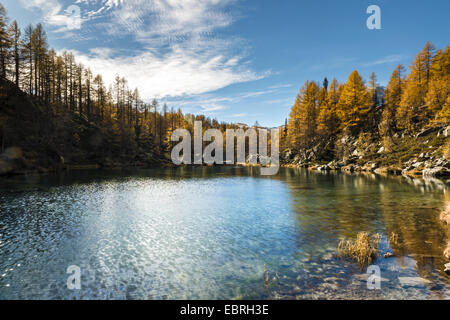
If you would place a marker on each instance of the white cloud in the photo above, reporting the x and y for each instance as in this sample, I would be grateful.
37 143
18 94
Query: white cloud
281 86
161 19
386 60
54 14
49 8
281 102
172 48
213 104
212 108
177 73
239 115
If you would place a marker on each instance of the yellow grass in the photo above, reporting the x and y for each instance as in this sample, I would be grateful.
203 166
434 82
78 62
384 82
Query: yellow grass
393 239
447 251
363 250
445 215
266 276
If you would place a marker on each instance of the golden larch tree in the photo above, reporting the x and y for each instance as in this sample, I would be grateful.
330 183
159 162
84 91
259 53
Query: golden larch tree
302 120
412 106
439 85
354 103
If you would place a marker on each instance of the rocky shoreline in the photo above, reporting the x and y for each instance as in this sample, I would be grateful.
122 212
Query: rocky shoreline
439 168
425 154
445 218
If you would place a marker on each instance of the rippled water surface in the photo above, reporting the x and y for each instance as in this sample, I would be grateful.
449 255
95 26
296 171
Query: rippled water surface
214 233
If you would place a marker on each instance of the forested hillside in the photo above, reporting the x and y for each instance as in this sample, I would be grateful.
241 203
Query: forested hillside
403 127
54 112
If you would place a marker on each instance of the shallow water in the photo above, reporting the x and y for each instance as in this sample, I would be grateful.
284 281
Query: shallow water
213 233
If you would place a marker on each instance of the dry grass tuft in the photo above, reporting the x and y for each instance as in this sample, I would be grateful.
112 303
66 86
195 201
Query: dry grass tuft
393 239
447 251
363 250
445 215
266 276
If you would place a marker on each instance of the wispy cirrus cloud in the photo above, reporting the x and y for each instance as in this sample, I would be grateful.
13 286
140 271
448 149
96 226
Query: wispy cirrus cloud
51 10
386 60
171 48
212 104
167 18
179 72
239 115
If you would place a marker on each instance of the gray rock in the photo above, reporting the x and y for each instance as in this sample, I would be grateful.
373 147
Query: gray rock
408 168
446 132
447 268
252 158
381 150
349 160
389 255
417 164
427 132
436 172
287 155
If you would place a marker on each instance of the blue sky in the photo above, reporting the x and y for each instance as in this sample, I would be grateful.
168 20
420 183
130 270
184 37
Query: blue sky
236 60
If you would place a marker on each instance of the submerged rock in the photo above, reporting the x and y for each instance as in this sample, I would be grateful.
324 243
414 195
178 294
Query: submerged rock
413 281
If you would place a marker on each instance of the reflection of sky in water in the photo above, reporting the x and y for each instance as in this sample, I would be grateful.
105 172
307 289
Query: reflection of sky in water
210 233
